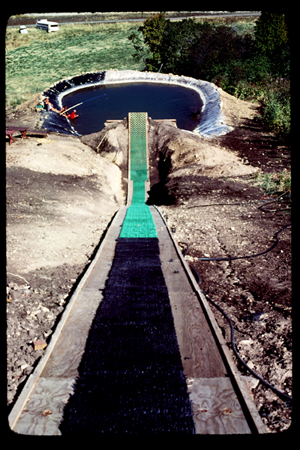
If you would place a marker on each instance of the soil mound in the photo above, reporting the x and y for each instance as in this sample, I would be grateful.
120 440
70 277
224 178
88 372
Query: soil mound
172 152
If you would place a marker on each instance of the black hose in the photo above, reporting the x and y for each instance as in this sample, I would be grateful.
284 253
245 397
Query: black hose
286 398
280 394
261 207
231 258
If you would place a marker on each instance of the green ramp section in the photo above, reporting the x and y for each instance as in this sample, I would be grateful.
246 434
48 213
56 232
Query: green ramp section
138 222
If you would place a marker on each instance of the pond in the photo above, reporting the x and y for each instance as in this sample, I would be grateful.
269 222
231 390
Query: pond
115 101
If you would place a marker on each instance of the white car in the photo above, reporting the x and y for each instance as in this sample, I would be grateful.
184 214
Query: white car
47 26
23 29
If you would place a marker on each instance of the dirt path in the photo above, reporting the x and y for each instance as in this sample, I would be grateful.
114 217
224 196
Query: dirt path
61 196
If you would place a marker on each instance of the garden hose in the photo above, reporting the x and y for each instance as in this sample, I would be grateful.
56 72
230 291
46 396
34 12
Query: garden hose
244 203
231 258
286 398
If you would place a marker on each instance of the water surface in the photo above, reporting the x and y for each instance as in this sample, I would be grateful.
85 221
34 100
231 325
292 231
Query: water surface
160 101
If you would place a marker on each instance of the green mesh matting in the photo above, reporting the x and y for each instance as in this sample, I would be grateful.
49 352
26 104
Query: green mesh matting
138 192
138 222
138 146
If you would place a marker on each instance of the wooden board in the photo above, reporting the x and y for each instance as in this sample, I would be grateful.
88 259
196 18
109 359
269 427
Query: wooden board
64 352
42 414
199 352
216 407
253 417
65 358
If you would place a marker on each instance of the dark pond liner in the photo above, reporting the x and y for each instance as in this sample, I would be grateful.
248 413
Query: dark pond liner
52 120
210 121
97 103
131 379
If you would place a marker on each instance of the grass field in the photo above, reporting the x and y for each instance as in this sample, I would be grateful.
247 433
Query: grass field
38 59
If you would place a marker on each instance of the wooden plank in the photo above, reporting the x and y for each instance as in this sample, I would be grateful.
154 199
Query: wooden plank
43 412
173 121
110 240
70 346
37 133
199 352
65 358
248 405
216 407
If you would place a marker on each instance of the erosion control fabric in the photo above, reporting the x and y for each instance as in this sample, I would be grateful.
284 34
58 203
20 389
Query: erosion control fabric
131 378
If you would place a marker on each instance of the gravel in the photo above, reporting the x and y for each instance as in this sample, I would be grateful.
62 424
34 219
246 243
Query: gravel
28 320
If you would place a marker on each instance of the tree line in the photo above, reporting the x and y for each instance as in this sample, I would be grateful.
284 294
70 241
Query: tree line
250 66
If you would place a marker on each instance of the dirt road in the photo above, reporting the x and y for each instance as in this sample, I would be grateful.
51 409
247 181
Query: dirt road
95 18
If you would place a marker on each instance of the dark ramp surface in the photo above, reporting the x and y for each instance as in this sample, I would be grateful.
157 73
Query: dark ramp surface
131 377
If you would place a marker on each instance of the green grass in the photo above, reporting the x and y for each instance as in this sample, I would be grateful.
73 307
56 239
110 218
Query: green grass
38 59
243 27
274 183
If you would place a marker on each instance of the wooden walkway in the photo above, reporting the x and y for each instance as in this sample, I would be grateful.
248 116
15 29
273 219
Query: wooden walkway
221 402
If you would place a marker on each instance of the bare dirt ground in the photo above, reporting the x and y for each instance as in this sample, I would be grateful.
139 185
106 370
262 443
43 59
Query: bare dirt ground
61 195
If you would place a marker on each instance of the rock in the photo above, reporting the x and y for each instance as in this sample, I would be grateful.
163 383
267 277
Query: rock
250 364
10 396
23 378
16 295
31 333
20 362
47 333
246 342
28 370
251 382
40 316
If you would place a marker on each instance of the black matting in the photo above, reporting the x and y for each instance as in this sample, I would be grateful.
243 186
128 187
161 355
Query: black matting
131 378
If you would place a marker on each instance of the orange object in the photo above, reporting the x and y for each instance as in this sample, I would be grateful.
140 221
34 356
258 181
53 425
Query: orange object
39 345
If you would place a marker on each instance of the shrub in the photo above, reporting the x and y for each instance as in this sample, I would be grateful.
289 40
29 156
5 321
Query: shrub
275 183
276 109
271 33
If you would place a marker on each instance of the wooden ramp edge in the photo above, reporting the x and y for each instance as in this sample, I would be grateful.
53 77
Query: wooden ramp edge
39 408
221 401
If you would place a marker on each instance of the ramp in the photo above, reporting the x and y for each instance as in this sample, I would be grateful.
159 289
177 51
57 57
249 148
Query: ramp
137 350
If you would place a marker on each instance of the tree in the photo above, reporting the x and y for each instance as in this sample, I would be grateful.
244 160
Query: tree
153 30
176 43
141 48
271 33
